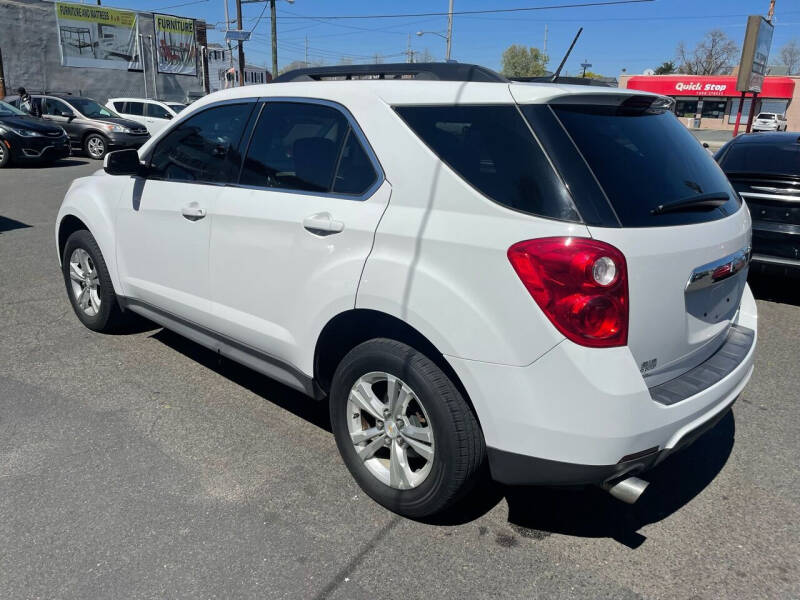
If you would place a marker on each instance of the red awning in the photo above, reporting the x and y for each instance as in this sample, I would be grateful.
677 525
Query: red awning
707 85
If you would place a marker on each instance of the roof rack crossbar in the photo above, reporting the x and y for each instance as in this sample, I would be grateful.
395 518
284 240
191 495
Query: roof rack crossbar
428 71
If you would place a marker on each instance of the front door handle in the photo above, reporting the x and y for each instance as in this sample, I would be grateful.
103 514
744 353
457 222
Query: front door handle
193 212
322 224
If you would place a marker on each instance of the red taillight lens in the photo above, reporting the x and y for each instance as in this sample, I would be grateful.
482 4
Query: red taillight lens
580 284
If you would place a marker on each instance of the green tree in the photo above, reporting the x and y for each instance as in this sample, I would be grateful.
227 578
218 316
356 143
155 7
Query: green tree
519 61
592 75
666 68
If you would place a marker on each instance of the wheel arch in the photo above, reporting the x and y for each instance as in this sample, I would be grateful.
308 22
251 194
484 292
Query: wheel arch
69 224
89 204
348 329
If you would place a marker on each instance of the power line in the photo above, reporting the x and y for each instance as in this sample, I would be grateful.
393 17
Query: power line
471 12
258 20
179 5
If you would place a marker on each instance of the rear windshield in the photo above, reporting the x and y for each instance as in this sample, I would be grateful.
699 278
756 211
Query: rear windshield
773 159
492 149
765 116
643 158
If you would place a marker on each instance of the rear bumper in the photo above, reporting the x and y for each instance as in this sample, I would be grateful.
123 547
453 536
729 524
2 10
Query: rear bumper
517 469
580 415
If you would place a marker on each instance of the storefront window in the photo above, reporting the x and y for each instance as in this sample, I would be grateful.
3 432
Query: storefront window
735 108
685 108
774 106
713 109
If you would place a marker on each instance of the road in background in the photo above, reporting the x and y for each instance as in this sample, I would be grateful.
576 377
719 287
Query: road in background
142 466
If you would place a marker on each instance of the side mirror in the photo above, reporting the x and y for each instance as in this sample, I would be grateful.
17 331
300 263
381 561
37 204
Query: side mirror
123 162
67 113
705 144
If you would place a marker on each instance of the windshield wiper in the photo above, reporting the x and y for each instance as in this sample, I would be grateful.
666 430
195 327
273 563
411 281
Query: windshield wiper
708 201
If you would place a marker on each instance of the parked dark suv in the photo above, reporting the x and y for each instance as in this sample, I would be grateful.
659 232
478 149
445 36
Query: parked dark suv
765 169
90 126
26 139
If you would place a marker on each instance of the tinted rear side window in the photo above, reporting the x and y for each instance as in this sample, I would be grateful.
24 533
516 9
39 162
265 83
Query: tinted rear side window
645 158
493 150
295 146
773 159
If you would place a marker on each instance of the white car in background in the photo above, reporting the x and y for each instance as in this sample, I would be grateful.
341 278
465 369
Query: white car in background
153 114
769 122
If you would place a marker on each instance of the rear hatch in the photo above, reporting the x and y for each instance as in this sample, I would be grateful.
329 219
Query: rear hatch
667 206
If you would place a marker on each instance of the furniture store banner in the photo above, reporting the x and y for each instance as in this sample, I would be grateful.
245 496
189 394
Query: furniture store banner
95 36
176 45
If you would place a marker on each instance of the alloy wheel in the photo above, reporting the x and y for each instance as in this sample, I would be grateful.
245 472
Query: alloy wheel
96 147
84 281
390 430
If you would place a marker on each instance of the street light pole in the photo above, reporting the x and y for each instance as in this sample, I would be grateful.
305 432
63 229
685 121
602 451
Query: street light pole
449 30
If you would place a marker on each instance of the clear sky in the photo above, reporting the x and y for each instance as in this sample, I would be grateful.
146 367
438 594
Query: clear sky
632 36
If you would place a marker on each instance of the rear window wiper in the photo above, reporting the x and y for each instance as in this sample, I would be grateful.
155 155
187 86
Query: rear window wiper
708 201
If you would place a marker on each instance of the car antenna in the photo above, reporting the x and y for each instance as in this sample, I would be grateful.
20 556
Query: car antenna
554 78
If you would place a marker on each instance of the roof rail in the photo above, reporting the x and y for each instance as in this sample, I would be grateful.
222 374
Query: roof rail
428 71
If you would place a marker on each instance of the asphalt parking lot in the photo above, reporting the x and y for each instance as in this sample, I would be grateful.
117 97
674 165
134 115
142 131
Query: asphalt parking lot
140 466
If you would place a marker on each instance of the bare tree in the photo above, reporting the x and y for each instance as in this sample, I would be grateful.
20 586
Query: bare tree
790 56
710 57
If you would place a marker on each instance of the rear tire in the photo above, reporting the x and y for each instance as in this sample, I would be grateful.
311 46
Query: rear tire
416 461
89 286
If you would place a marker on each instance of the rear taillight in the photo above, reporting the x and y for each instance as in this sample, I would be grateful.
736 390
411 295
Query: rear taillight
580 284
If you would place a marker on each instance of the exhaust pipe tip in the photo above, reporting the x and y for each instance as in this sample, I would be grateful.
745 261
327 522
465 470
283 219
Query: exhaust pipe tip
627 490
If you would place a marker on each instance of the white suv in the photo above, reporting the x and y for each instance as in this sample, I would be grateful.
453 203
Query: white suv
153 114
546 279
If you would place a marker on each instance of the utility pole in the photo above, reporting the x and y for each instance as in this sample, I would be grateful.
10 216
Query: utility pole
241 47
770 14
409 56
449 30
544 46
274 38
227 26
306 62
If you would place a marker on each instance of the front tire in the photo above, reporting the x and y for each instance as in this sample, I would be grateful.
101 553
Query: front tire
88 283
404 430
96 146
5 154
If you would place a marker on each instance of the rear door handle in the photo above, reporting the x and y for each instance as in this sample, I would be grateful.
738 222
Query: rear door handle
193 212
322 224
